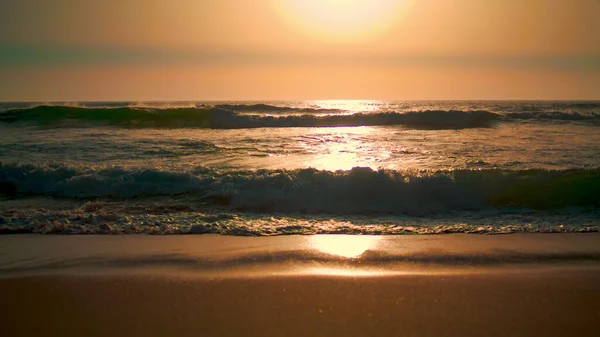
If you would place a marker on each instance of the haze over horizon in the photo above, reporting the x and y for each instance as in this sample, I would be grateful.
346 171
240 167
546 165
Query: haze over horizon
154 50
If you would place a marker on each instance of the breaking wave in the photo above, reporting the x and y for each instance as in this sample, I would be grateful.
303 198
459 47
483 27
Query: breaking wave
422 120
357 191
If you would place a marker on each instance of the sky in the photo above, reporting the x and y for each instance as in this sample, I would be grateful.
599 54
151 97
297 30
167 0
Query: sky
190 50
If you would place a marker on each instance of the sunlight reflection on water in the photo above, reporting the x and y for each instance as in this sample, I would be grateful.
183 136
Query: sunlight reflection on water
349 105
344 148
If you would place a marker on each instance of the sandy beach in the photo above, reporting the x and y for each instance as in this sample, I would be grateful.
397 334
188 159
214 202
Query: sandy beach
544 292
299 168
543 304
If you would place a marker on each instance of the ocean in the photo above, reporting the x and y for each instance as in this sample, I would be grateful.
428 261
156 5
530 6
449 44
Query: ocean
305 167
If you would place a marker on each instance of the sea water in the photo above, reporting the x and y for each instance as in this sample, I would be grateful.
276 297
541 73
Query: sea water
306 167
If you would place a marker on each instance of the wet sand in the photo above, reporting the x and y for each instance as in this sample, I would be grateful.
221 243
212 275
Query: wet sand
543 304
544 298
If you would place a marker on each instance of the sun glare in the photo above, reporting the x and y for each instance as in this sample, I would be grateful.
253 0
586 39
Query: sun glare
341 20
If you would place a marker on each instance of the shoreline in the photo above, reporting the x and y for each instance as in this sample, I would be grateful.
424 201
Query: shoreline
226 256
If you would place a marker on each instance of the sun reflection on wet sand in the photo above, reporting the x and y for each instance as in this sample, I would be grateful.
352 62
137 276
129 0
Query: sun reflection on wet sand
353 272
349 246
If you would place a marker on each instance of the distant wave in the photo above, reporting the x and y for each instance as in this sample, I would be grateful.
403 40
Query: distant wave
219 118
554 115
549 105
58 115
223 117
357 191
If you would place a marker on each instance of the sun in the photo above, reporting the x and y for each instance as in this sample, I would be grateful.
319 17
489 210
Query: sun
341 20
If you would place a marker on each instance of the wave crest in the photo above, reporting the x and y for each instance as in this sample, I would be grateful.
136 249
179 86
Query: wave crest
268 108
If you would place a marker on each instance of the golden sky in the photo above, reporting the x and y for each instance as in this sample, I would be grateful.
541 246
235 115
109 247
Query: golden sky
299 49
